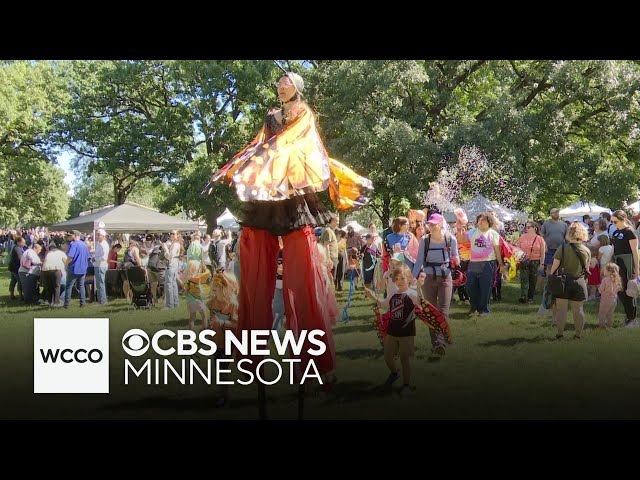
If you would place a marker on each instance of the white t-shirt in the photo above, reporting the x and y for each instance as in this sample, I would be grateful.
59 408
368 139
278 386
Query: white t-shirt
605 252
55 260
101 254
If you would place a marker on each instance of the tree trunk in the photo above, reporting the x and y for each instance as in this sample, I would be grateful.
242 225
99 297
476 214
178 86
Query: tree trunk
342 219
120 196
211 219
386 210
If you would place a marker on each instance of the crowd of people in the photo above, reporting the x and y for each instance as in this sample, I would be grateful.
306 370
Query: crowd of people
46 266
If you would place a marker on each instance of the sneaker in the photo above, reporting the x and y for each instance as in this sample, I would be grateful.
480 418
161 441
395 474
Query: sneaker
631 323
393 376
406 391
530 301
484 314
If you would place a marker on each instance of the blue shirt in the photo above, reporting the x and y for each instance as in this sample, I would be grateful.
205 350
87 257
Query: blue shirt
79 254
394 238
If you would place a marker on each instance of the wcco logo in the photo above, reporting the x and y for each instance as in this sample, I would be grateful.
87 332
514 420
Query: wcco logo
71 355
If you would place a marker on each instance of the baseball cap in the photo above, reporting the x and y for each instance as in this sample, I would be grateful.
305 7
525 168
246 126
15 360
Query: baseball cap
101 231
74 232
435 218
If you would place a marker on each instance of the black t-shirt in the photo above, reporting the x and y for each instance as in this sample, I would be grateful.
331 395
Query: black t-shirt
621 239
402 322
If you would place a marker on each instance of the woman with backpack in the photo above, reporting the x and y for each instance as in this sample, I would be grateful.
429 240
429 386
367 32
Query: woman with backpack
433 263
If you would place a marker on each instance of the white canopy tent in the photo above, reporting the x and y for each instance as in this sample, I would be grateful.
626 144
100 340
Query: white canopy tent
480 204
578 209
228 221
634 207
126 218
356 227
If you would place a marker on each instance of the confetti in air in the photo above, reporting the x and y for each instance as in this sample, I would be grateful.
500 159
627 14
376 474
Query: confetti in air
474 173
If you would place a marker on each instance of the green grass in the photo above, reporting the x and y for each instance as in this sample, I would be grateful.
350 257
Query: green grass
507 365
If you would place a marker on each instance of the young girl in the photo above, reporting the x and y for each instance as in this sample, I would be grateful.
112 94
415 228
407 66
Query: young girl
594 278
354 266
609 287
325 268
402 326
223 310
605 252
397 260
197 276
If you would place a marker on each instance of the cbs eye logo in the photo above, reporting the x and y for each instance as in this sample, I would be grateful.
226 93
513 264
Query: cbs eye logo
133 342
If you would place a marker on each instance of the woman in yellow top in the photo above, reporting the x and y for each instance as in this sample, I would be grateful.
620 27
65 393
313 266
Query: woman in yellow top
197 276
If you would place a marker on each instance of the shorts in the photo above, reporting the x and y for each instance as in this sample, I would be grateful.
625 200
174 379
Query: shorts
548 257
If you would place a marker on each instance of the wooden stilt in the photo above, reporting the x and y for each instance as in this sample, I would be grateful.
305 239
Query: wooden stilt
262 401
301 402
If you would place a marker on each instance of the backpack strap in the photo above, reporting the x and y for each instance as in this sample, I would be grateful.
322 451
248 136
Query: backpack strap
427 244
582 263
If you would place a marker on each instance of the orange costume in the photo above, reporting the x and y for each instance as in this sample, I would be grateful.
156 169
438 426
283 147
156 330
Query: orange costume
277 177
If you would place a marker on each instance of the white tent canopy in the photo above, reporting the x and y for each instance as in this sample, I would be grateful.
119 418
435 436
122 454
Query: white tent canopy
480 204
356 226
228 221
578 209
126 218
634 207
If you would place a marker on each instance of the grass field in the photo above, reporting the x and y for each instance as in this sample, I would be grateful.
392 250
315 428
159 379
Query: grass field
506 365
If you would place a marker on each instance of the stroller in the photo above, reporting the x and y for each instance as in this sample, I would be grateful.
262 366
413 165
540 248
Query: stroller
141 296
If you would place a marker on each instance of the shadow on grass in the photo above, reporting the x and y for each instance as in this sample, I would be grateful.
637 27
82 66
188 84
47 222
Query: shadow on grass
200 404
351 328
355 391
361 353
511 342
180 323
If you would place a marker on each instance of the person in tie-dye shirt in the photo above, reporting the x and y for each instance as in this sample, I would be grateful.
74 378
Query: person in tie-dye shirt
485 250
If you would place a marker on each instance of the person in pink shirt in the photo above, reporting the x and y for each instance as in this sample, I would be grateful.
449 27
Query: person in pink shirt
534 246
609 287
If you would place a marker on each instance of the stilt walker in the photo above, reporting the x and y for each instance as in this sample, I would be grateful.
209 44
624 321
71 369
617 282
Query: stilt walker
277 177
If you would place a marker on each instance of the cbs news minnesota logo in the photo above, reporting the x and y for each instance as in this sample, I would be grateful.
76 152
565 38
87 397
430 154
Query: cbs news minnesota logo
70 355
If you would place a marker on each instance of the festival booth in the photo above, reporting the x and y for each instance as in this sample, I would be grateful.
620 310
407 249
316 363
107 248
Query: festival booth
577 210
126 218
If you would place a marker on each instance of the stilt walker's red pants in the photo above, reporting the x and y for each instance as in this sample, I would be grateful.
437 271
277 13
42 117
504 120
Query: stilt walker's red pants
306 297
